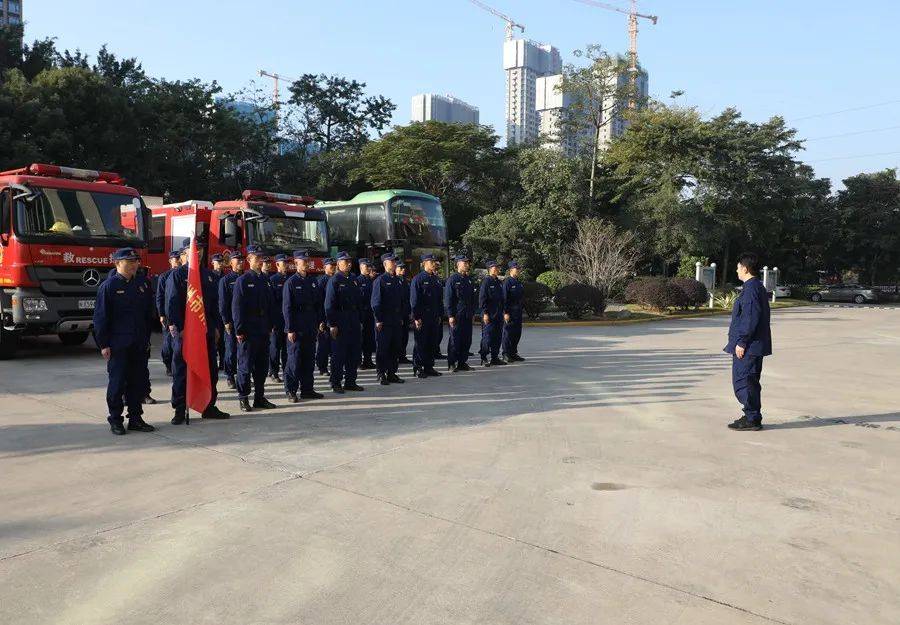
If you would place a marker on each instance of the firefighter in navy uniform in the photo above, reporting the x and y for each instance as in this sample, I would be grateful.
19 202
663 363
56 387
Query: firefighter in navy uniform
425 302
342 305
226 290
459 305
278 342
439 337
367 320
323 339
388 308
513 293
165 353
490 300
218 272
252 311
400 270
176 301
123 316
301 313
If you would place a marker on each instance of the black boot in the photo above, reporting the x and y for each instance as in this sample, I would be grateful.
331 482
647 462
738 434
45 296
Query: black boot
431 371
213 412
403 360
367 364
497 362
337 388
393 378
311 395
117 427
245 405
178 419
353 387
745 424
383 379
463 367
263 403
137 424
292 397
485 362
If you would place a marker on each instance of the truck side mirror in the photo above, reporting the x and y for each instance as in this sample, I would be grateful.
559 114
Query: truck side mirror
229 232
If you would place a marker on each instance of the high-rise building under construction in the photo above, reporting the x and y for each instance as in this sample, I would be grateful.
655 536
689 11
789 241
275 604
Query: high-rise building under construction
525 61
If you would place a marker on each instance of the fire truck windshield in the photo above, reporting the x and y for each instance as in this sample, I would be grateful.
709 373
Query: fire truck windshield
80 215
286 234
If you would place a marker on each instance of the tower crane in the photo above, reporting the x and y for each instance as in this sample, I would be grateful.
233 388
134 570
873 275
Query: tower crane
633 16
510 23
275 78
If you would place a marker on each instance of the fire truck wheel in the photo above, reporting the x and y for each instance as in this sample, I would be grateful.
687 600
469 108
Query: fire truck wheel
71 339
9 342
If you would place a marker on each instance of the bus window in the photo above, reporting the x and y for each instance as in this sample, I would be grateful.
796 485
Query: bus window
342 225
373 224
419 221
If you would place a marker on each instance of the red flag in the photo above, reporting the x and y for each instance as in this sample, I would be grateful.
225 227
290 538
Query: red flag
194 348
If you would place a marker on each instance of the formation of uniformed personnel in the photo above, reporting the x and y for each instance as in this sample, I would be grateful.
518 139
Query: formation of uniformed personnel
160 299
404 333
425 300
323 343
226 289
490 300
301 314
513 294
176 301
252 310
343 303
278 342
388 310
123 315
218 272
459 306
364 280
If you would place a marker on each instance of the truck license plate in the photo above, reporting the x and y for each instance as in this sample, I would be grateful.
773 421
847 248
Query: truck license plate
85 304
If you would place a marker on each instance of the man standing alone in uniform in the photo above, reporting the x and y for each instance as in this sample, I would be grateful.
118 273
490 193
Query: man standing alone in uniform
490 300
278 342
459 305
166 350
251 313
300 306
749 341
342 306
122 318
364 280
226 290
425 300
387 308
176 301
323 343
513 292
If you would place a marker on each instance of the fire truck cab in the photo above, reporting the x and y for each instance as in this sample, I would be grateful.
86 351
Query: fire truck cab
58 229
278 223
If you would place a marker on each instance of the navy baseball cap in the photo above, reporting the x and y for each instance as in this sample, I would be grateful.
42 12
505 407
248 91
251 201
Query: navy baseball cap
279 257
328 261
512 265
401 264
490 263
125 253
344 256
237 255
174 253
460 257
300 255
254 250
216 257
365 261
427 257
388 256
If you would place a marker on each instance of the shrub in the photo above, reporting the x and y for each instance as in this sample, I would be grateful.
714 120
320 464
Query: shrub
578 299
656 293
687 265
726 299
536 297
554 280
695 292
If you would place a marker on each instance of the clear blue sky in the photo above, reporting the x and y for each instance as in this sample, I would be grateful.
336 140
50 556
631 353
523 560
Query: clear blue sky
797 58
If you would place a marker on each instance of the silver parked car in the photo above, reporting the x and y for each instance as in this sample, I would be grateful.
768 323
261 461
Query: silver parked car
845 293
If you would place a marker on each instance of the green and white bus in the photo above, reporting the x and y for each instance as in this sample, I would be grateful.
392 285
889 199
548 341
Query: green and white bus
409 223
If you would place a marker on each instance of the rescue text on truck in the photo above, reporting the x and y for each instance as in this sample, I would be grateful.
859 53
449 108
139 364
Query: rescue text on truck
58 229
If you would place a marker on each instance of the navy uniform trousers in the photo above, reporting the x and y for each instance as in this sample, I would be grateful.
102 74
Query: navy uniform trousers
460 341
298 373
278 350
346 350
179 371
230 354
424 340
126 368
512 333
745 374
323 350
491 333
252 364
388 345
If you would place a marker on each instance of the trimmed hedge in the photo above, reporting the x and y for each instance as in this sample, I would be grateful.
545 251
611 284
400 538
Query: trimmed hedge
656 293
580 299
695 292
535 298
554 280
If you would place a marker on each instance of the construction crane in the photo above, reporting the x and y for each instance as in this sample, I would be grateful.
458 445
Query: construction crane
633 16
275 78
510 23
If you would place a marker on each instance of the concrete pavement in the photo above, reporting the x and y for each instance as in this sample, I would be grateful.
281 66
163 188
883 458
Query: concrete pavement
594 483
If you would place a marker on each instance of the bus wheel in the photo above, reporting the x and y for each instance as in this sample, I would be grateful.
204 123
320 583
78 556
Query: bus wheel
9 342
71 339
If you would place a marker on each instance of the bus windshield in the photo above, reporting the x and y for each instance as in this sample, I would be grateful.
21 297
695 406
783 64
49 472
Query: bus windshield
419 221
286 234
80 215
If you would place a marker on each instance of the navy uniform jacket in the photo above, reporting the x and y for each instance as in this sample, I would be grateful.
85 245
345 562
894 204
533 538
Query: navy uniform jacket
226 291
176 299
490 297
301 304
513 292
277 281
161 291
459 296
365 291
750 320
123 313
425 296
404 294
322 286
342 300
387 299
252 305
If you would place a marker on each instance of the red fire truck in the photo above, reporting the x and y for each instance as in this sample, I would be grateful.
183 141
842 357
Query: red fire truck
58 229
277 222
